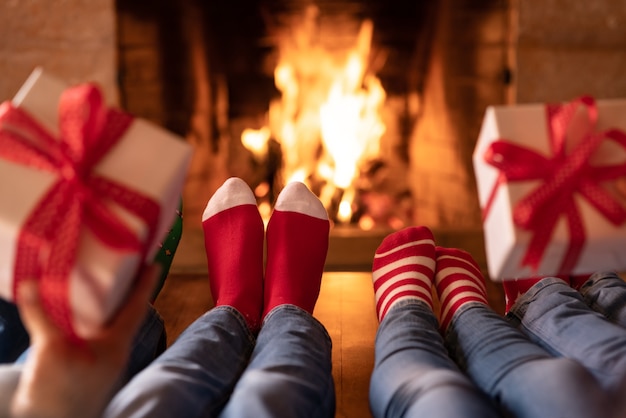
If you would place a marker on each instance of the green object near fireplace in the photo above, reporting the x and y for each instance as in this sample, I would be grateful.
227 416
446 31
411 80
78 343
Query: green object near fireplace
166 253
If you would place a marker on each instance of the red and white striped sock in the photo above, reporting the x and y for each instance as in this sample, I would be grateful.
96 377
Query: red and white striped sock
233 237
403 268
297 243
458 280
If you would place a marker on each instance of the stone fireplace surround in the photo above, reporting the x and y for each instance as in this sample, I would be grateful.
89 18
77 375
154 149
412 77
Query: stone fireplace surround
478 53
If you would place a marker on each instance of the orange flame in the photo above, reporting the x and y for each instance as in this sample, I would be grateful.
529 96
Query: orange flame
327 121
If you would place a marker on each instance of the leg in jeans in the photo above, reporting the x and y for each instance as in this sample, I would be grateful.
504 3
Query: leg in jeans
195 376
289 372
605 292
555 316
148 344
413 374
522 377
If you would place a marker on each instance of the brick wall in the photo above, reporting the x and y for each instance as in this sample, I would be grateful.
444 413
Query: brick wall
504 51
567 48
74 39
468 71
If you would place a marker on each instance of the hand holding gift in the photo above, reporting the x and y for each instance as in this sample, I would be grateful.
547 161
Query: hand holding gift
87 194
63 379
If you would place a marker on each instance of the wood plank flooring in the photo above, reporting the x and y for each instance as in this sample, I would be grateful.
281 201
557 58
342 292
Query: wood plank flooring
345 307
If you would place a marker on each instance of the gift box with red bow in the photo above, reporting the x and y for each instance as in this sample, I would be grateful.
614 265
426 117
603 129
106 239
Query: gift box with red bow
87 193
550 180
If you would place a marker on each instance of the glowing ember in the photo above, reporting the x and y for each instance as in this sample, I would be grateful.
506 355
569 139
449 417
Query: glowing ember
256 141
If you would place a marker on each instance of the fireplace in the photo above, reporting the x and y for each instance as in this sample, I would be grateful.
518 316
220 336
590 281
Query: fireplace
206 71
243 82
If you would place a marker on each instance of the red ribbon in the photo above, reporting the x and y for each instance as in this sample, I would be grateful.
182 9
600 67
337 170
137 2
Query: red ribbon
48 243
563 175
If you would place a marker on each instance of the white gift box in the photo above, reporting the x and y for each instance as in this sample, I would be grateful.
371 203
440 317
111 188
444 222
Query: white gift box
506 244
146 159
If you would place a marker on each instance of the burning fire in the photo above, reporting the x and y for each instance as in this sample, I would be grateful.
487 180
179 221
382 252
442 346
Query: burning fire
328 120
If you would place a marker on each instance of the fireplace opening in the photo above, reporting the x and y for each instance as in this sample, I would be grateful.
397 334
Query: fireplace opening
375 105
331 124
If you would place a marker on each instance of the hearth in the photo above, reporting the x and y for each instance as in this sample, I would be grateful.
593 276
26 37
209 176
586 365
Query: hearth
375 105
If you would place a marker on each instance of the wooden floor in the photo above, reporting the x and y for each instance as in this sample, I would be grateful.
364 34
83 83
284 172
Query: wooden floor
345 307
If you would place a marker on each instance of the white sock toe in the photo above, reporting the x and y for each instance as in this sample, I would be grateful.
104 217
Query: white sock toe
233 192
296 197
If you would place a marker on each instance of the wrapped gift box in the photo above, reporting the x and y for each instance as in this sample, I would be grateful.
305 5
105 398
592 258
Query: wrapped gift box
146 159
507 244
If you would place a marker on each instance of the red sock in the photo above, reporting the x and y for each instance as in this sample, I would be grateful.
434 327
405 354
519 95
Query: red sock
297 243
403 268
458 281
233 237
513 289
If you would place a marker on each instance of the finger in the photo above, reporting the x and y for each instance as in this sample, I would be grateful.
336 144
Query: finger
133 312
32 313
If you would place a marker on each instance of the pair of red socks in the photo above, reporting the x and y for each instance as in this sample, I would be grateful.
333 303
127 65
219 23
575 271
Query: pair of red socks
407 264
297 243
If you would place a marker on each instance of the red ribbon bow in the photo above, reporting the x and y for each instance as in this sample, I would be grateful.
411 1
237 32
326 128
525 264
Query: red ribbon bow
48 243
563 175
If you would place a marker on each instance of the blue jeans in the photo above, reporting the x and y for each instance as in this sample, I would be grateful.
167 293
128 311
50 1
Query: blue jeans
217 367
559 319
414 374
605 293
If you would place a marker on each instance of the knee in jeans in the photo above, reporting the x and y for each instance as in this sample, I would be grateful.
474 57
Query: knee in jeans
441 384
570 377
262 385
568 373
281 390
445 378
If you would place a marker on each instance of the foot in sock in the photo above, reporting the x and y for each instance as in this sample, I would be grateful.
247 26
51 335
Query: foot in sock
233 237
297 243
403 268
458 281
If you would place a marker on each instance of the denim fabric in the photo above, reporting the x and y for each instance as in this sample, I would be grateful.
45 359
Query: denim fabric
289 374
605 292
217 363
522 377
149 342
13 336
413 374
556 317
